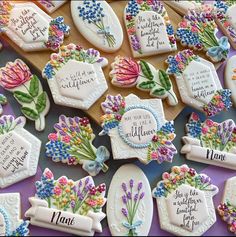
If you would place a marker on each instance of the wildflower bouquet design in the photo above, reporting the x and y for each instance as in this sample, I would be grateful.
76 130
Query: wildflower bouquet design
3 101
8 123
72 144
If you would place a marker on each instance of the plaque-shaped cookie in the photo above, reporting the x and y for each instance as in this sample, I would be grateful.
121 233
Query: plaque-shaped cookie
149 29
210 142
138 129
75 76
184 202
51 5
69 206
198 83
19 151
31 28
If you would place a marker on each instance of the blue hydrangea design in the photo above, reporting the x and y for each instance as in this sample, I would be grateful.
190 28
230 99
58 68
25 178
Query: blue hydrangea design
168 128
170 29
22 230
160 191
49 71
222 6
44 188
110 125
194 129
133 8
188 37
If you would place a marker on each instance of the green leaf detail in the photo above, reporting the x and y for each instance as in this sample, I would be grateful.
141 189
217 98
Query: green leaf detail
158 92
146 70
30 113
165 80
34 86
23 97
147 85
41 102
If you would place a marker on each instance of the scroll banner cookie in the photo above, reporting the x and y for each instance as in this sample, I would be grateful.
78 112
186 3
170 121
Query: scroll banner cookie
68 206
126 73
17 78
227 208
210 142
149 28
31 28
19 151
3 101
198 31
138 129
10 222
98 23
72 144
129 203
75 76
184 202
230 77
198 83
51 5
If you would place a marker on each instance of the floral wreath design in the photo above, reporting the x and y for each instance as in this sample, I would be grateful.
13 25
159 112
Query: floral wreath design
8 123
133 9
160 148
182 175
221 99
70 52
56 32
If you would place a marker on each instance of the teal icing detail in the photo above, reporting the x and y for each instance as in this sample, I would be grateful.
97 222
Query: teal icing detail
7 222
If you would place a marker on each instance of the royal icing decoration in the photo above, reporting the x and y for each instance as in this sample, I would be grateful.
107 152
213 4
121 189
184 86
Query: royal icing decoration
27 90
31 28
3 101
75 76
184 201
149 29
72 144
224 12
227 208
230 77
126 72
210 142
51 5
138 129
198 31
19 151
198 83
10 222
66 205
129 203
98 23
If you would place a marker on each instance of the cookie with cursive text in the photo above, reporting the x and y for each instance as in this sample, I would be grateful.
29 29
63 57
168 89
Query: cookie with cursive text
126 72
72 144
227 208
198 30
19 151
75 76
184 202
68 206
10 222
51 6
17 78
198 83
31 28
149 29
210 142
98 23
3 101
138 129
133 210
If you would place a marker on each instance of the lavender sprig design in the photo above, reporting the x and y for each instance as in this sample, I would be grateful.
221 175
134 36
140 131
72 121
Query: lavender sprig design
132 200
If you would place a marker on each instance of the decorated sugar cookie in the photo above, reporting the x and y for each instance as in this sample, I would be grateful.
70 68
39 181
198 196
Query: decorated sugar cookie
210 142
230 77
226 18
149 28
184 202
198 83
10 222
72 144
227 208
30 27
51 5
138 129
98 23
19 151
27 90
69 206
75 76
126 72
3 101
198 31
132 213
